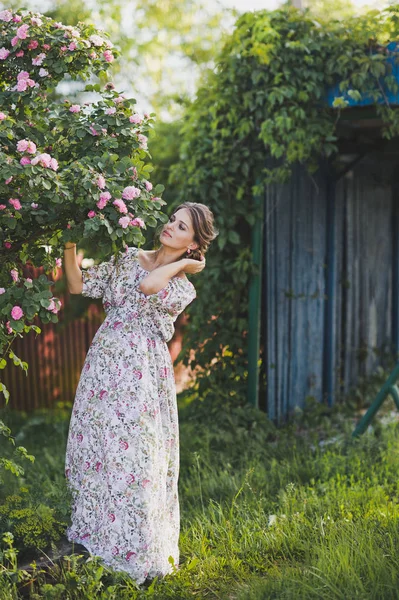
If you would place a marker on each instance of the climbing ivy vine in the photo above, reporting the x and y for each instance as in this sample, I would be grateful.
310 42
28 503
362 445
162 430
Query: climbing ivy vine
261 111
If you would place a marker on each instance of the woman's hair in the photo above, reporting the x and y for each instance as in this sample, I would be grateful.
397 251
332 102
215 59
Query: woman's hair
203 224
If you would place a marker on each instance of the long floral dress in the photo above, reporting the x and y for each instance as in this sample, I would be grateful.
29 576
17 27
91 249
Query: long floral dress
122 455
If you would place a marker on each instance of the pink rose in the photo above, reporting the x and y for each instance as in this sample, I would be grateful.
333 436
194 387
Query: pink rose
17 18
14 41
93 131
54 164
46 46
33 44
4 53
22 85
22 75
22 32
110 111
9 328
91 214
17 312
7 245
100 182
2 291
58 262
105 196
6 15
143 141
75 108
109 57
28 279
38 60
130 192
148 186
34 205
25 160
138 222
2 206
120 205
124 222
19 54
101 203
135 118
22 145
14 274
72 46
2 116
7 181
15 203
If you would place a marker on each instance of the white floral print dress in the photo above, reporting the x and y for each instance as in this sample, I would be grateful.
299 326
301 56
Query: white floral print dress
122 455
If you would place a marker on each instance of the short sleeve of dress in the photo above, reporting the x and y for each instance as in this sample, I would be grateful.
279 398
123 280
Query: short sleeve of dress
174 297
95 279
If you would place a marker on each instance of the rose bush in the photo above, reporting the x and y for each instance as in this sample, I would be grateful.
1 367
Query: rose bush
69 171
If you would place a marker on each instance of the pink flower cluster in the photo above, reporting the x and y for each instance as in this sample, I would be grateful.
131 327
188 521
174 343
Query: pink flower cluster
130 192
4 53
120 205
14 274
26 146
45 160
23 81
37 61
75 108
104 197
53 307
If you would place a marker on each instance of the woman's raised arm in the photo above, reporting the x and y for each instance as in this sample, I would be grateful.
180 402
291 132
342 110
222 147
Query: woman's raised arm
72 272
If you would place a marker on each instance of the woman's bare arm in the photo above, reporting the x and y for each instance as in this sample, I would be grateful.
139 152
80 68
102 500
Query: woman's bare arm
72 272
158 278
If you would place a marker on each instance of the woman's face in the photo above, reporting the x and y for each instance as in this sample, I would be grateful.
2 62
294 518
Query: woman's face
178 232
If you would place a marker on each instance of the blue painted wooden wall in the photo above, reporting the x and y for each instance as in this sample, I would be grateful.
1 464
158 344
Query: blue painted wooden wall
295 267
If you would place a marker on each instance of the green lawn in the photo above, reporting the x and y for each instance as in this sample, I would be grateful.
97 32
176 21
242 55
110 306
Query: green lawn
302 511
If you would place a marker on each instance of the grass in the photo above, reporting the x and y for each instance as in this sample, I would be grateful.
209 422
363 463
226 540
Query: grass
302 511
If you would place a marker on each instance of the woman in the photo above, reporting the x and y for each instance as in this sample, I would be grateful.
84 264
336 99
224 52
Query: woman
122 456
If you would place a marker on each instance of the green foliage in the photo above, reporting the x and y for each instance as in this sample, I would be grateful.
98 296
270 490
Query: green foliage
300 511
261 111
65 167
32 525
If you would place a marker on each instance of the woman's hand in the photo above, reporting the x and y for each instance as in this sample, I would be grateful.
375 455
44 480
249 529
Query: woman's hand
193 266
